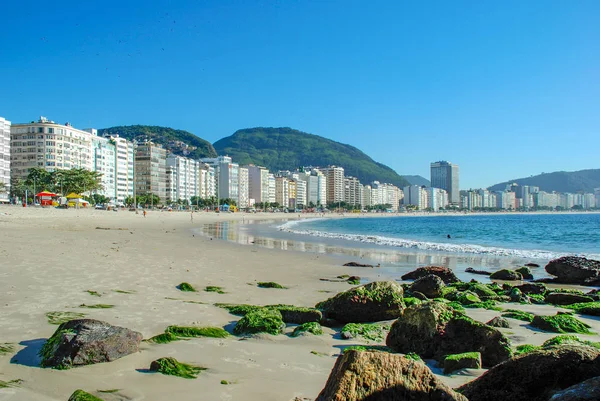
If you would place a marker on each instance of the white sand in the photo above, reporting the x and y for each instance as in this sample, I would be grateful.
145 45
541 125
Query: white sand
50 258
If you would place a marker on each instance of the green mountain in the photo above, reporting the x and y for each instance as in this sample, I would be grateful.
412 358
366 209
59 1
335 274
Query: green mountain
559 181
288 149
177 141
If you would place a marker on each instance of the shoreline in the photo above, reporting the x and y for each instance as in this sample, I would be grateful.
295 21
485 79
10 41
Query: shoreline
52 258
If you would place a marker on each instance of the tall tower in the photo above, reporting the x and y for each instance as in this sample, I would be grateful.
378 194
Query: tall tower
444 175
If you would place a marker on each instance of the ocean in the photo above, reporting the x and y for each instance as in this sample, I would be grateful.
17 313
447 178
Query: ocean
528 236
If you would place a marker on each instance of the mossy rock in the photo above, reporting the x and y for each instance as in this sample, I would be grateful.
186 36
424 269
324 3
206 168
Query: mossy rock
368 331
519 315
372 302
525 349
239 309
506 274
454 362
525 272
297 314
481 290
468 298
310 327
408 301
560 324
58 318
80 395
490 305
499 322
193 331
6 348
379 348
560 298
214 288
270 284
586 308
568 339
187 287
260 321
171 366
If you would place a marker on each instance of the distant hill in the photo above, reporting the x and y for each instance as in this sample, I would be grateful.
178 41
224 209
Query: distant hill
559 181
287 149
177 141
417 180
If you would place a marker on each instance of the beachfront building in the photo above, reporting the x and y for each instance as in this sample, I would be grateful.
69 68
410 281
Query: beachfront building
243 188
292 193
335 183
182 178
436 198
226 176
352 192
208 186
416 196
272 189
444 175
367 195
301 192
49 145
4 160
385 194
597 195
258 184
282 196
105 160
316 186
124 165
150 170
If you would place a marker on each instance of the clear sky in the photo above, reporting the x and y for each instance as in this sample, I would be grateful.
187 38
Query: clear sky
505 89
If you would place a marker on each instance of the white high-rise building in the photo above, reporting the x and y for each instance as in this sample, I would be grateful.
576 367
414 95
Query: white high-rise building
444 175
417 196
4 160
226 177
301 193
352 194
436 198
282 195
208 186
50 146
335 183
258 184
105 160
183 178
124 167
272 188
243 188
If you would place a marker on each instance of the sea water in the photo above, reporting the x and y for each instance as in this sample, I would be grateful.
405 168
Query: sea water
527 236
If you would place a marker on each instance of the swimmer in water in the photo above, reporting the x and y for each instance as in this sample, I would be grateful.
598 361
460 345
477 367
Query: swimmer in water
449 236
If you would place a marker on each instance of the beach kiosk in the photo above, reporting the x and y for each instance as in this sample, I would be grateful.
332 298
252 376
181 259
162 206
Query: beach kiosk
76 200
45 198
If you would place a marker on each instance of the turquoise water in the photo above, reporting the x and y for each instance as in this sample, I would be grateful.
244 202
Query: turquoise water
534 236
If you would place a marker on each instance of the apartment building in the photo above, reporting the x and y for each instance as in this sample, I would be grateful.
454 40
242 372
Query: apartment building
150 170
444 175
105 163
258 184
282 194
226 176
208 186
124 168
335 183
352 191
243 188
4 160
182 178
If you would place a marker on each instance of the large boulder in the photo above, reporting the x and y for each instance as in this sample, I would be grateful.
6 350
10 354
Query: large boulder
535 376
446 274
561 298
431 286
588 390
574 270
373 302
87 341
532 288
382 376
434 330
506 274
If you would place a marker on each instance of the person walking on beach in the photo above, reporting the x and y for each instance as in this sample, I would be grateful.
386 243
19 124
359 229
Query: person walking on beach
144 213
192 216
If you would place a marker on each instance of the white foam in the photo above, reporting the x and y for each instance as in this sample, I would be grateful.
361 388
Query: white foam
432 246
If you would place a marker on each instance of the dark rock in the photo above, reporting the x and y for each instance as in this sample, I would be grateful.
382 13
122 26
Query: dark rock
446 274
506 274
297 314
431 286
372 302
559 298
468 360
525 272
419 295
473 271
532 265
517 296
573 269
355 264
536 375
434 330
499 322
383 376
87 341
588 390
532 288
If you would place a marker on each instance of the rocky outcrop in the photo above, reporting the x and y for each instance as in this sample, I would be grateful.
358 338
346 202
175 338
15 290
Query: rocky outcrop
356 264
532 288
434 330
373 302
588 390
506 274
499 322
473 271
80 395
559 298
446 274
431 286
574 270
468 360
535 376
525 272
87 341
382 376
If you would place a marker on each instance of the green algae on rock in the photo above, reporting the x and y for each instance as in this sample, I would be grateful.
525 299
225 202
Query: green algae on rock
369 331
263 320
193 331
560 324
214 288
63 317
309 327
519 315
270 284
464 360
171 366
80 395
186 287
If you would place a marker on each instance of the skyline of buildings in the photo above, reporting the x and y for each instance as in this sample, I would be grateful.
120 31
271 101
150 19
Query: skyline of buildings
130 168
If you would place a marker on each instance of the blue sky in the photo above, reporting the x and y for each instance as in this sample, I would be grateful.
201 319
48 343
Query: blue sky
504 89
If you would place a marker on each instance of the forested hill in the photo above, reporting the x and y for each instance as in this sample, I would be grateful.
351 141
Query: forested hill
287 149
559 181
177 141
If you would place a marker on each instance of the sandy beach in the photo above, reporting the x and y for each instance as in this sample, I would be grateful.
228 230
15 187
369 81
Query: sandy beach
52 259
